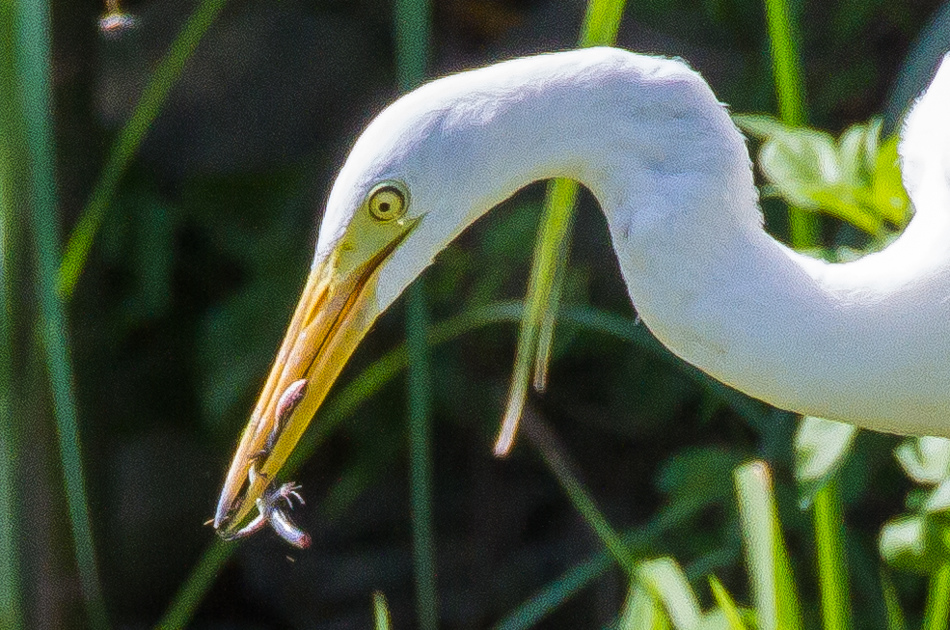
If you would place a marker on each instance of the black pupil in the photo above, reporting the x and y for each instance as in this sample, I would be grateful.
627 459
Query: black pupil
384 207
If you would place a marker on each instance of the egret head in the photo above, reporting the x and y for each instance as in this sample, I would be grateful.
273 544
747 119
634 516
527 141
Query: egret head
397 201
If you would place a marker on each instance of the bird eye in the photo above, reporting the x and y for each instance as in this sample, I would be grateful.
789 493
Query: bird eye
388 201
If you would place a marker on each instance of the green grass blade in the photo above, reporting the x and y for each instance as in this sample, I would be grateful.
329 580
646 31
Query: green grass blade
194 588
381 612
411 26
803 226
726 604
12 178
412 33
33 64
773 589
550 255
937 609
129 139
832 569
642 611
601 22
420 458
11 606
637 541
552 453
895 614
556 593
666 581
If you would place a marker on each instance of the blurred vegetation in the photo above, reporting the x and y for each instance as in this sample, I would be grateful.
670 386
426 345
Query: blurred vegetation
629 502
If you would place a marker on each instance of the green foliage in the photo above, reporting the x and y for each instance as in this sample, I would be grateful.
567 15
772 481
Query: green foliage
381 611
127 144
855 179
821 446
919 540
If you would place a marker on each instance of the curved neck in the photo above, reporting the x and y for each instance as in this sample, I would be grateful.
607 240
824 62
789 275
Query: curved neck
674 179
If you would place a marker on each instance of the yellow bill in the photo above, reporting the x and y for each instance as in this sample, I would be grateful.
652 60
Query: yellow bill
335 311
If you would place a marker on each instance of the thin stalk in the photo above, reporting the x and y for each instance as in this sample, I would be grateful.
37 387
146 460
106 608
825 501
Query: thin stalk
33 46
937 612
547 444
790 90
198 583
549 252
601 22
640 542
11 605
381 612
832 568
895 614
129 139
12 178
411 25
773 587
726 604
420 458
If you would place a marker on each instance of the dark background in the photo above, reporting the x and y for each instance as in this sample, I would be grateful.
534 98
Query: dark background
198 265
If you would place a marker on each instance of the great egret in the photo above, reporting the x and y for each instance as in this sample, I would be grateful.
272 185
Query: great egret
866 342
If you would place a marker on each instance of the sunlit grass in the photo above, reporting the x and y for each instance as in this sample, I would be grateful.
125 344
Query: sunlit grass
27 60
543 295
12 180
411 26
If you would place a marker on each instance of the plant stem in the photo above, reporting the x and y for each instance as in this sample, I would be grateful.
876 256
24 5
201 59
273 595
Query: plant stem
420 458
832 569
540 306
773 587
199 581
33 46
790 90
127 144
548 264
547 444
937 612
12 180
412 51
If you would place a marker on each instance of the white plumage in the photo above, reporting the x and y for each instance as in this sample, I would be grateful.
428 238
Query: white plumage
866 342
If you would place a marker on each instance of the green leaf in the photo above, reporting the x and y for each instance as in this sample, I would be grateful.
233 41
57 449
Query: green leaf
909 543
773 587
856 179
642 612
665 580
726 604
381 611
926 460
887 193
821 447
895 614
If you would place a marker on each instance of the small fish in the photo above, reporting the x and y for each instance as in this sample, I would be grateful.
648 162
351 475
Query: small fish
270 512
288 530
286 404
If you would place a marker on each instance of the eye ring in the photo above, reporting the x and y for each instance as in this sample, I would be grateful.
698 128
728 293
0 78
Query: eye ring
388 201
